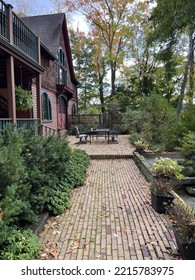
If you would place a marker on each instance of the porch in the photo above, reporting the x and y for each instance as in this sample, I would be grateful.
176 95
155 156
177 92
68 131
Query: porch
19 66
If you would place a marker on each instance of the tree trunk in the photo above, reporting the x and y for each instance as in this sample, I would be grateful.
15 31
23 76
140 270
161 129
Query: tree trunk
101 91
191 90
186 70
113 78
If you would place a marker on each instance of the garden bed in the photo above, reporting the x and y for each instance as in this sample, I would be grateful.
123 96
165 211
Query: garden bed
145 162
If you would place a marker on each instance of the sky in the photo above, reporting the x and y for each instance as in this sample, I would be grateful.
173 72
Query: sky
38 7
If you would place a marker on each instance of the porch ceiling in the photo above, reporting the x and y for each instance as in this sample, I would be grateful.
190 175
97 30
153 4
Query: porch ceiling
23 75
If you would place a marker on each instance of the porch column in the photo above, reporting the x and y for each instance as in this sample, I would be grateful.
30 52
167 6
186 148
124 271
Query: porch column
38 91
11 89
10 24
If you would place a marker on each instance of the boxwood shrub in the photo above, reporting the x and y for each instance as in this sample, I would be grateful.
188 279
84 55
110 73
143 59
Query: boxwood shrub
37 174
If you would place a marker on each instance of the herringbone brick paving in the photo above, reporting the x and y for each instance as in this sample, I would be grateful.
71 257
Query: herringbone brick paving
110 217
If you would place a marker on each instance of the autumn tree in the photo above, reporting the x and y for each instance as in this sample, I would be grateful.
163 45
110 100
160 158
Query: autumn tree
90 67
109 17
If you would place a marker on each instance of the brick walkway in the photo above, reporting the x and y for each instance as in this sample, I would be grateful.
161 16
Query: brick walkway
111 216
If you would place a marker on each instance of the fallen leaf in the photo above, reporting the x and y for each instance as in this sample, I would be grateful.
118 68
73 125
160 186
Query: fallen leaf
56 232
98 257
124 230
53 252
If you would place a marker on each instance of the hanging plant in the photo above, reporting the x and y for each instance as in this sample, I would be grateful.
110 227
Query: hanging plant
24 99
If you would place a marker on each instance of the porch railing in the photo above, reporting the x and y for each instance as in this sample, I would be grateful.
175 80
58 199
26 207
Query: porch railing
29 123
3 20
49 131
20 123
23 37
3 122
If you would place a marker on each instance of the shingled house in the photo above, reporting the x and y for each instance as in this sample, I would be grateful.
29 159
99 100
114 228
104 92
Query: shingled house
35 54
58 82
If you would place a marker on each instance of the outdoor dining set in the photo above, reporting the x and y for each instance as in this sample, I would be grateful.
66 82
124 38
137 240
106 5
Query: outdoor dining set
94 133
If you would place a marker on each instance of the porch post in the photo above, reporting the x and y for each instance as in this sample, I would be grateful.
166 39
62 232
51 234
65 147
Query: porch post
38 91
38 87
11 89
10 24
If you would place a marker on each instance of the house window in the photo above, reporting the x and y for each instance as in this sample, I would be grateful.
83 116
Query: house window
46 107
62 71
74 110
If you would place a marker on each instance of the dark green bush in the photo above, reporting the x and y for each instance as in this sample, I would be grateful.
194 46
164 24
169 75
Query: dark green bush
18 244
134 137
36 174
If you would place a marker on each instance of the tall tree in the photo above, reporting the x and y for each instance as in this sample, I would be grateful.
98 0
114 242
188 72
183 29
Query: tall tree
171 18
90 67
109 17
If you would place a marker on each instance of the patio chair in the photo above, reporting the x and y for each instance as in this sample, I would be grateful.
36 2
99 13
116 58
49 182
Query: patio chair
81 135
113 135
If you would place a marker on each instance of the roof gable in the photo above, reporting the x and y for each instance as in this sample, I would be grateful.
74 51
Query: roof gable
49 28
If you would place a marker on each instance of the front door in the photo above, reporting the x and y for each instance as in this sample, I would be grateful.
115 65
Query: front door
62 113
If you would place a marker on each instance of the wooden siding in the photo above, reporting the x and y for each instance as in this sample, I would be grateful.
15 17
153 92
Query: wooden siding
48 78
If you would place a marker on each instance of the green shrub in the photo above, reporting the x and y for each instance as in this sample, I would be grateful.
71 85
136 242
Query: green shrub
59 198
18 244
16 207
187 148
152 121
37 174
77 167
134 137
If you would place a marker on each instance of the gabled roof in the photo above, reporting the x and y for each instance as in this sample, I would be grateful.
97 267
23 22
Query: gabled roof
49 28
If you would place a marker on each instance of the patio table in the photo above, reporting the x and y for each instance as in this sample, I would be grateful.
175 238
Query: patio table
99 132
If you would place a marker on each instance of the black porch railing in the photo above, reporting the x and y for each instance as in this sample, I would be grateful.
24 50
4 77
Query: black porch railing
30 123
23 37
3 20
20 123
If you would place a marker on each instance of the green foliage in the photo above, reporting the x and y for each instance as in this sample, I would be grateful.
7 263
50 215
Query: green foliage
187 148
18 244
36 174
24 99
166 167
183 218
132 121
16 206
77 166
153 121
140 145
59 198
134 137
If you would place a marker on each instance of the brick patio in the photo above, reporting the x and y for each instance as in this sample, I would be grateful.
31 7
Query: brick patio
111 216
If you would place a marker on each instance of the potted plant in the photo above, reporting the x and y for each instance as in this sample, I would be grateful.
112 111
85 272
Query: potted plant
182 219
24 99
140 146
166 172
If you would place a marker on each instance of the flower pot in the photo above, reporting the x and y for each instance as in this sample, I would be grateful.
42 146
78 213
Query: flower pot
186 249
161 202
